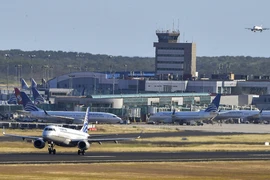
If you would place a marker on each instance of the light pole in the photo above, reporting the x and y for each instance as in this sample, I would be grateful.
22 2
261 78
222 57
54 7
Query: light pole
70 67
51 70
95 84
71 80
18 69
113 83
7 58
45 71
80 57
31 66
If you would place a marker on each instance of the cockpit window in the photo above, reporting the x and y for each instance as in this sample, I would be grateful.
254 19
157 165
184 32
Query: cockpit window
49 129
114 116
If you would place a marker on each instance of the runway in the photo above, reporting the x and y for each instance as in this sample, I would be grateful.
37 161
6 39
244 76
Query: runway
105 157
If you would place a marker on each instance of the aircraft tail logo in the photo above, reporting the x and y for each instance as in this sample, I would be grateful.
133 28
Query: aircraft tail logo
33 83
24 84
213 107
27 103
12 99
85 122
37 97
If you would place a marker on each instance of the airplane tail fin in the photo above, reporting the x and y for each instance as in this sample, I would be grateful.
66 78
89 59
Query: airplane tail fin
24 85
85 122
213 107
37 97
18 95
83 91
33 83
27 103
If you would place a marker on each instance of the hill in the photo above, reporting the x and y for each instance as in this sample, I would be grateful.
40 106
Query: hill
48 64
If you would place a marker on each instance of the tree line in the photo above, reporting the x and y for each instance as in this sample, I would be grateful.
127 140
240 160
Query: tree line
48 64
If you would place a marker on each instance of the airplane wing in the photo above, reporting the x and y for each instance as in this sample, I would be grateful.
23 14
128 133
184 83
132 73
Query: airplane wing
100 140
20 136
64 118
248 28
265 28
91 140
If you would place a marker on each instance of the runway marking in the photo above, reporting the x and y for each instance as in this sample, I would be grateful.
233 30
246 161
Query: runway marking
99 156
259 154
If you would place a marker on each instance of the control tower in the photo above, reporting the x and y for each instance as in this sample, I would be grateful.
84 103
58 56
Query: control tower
174 58
167 36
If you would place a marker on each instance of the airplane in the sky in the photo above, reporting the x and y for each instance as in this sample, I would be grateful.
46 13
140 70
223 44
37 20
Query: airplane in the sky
257 28
188 116
65 116
66 137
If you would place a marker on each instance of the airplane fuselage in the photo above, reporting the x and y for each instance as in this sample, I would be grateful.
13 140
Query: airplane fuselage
257 28
169 117
100 117
234 114
63 136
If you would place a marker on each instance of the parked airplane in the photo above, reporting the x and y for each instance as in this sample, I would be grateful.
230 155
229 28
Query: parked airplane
66 137
66 116
188 116
38 99
244 115
257 28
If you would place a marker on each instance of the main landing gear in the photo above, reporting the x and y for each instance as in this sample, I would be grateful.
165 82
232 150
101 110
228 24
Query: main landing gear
81 152
51 149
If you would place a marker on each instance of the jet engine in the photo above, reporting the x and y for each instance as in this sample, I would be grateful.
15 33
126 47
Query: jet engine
39 143
83 145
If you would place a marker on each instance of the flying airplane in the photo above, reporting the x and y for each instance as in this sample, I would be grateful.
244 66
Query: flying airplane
66 137
188 116
257 28
65 116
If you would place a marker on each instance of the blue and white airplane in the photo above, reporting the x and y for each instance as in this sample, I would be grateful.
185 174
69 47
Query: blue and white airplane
257 28
66 137
65 116
188 116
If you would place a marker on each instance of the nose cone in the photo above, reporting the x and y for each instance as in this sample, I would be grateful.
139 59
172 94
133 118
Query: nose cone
118 120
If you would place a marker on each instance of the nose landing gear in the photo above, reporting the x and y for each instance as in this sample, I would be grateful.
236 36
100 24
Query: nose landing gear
51 149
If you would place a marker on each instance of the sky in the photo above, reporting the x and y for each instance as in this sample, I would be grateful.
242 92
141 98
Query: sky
127 27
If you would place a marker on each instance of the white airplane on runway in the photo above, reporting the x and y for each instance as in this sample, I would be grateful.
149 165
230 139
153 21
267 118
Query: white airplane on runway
64 116
257 28
67 137
187 117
